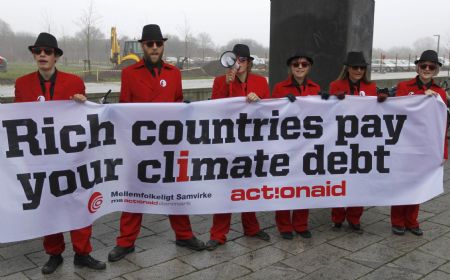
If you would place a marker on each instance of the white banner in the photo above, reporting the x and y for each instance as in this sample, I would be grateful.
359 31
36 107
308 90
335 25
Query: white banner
64 164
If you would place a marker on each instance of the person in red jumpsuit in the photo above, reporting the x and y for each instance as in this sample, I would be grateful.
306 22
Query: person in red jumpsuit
238 82
49 84
151 80
297 84
404 217
353 80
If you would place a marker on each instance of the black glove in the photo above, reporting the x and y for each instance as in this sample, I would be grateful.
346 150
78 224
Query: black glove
324 95
382 94
291 97
340 95
392 91
187 101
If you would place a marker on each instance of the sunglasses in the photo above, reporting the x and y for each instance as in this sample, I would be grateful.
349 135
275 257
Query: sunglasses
356 68
424 66
304 64
242 59
150 44
38 51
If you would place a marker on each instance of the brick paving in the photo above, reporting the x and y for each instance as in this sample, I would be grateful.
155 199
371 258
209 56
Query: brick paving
376 254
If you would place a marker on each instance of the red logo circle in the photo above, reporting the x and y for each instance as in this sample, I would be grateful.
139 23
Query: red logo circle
95 202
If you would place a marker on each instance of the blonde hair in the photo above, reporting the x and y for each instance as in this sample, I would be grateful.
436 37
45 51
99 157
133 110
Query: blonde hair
344 75
436 71
249 65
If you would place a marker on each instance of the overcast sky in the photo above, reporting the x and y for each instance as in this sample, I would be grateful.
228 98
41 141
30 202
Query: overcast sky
397 22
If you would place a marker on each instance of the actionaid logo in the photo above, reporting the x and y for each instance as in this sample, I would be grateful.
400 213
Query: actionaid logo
95 202
286 192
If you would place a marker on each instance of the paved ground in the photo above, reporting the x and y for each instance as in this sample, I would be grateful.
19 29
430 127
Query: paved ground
376 254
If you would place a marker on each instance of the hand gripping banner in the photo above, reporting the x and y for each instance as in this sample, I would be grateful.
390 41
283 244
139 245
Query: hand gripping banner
65 164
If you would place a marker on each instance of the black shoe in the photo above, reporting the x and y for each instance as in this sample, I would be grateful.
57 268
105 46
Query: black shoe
305 234
398 230
287 235
88 261
194 244
52 264
212 245
356 228
337 227
118 253
261 235
416 231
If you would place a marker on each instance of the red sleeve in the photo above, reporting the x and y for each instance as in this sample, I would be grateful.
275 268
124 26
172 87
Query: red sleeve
443 96
125 94
179 90
314 90
334 87
265 92
81 88
277 93
372 90
18 93
220 88
401 89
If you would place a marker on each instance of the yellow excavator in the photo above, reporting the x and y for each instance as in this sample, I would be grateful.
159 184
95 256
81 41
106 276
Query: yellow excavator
132 52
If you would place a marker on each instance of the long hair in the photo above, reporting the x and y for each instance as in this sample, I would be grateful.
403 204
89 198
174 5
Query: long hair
436 71
344 75
249 66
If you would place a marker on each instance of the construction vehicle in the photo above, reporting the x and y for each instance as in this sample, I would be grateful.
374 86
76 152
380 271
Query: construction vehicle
132 52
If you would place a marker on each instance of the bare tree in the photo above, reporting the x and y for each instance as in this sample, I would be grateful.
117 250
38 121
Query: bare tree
96 44
5 30
6 39
47 22
255 47
88 22
186 33
205 43
425 43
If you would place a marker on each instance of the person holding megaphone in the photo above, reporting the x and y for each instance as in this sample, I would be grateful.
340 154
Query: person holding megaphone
237 81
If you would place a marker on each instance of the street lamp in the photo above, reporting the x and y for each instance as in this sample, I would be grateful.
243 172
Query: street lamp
439 39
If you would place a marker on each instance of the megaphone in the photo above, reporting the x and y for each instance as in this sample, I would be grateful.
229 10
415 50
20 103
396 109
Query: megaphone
228 60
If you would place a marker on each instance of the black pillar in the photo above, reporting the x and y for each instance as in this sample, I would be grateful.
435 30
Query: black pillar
327 29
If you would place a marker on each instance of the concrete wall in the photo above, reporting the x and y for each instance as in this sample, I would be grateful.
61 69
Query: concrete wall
324 28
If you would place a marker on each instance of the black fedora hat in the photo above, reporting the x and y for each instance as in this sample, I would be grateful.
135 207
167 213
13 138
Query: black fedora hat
242 50
355 59
152 32
47 40
429 55
299 55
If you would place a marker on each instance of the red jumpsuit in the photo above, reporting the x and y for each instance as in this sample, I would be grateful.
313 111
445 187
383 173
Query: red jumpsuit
29 89
139 85
299 221
352 214
406 215
258 85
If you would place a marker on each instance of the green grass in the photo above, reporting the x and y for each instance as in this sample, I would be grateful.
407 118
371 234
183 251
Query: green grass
16 70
